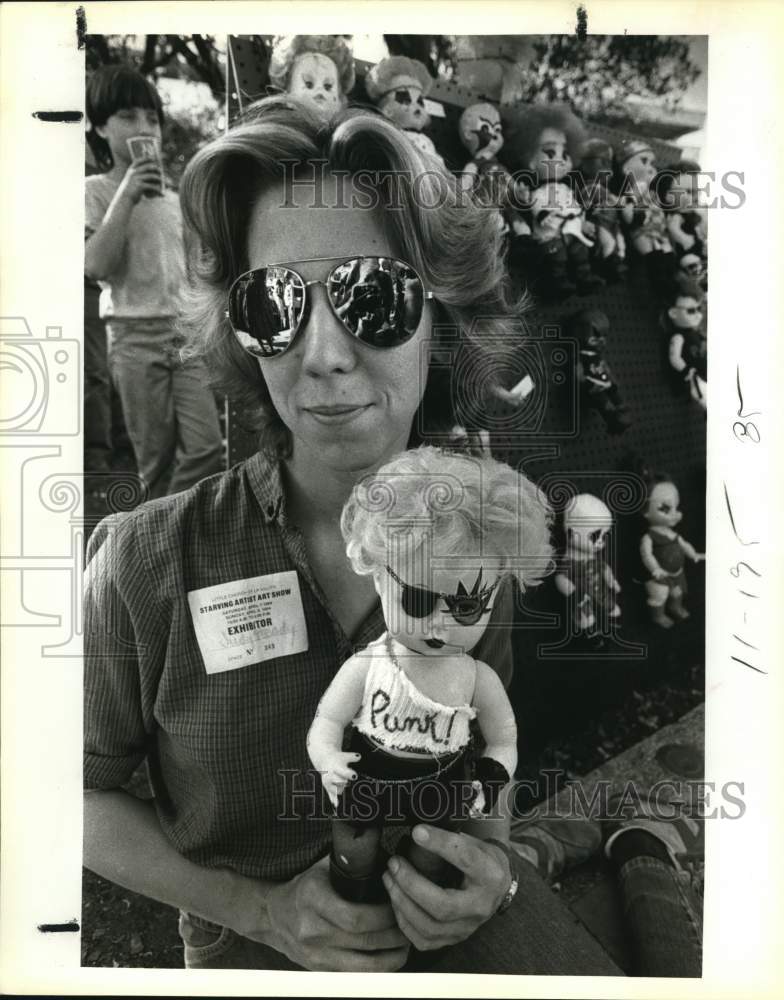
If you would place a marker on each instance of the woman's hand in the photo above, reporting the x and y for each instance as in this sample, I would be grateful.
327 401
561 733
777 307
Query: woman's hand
143 177
432 917
318 930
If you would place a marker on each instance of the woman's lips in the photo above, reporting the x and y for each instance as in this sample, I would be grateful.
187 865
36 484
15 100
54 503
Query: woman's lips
340 414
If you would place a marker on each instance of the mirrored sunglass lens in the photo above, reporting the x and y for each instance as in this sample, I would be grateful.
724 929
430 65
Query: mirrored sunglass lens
418 603
265 309
378 300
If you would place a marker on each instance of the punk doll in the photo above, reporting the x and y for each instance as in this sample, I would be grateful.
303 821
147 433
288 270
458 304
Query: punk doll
441 535
598 389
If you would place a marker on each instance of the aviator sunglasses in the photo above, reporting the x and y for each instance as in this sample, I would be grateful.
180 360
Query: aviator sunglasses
379 301
465 608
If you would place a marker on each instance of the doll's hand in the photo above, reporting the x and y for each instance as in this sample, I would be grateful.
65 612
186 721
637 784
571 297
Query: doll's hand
589 228
336 773
432 917
659 574
318 930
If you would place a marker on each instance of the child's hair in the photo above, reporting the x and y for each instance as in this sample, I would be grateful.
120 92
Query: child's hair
453 500
111 89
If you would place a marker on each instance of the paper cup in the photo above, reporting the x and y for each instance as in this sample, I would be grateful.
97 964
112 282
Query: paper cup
146 147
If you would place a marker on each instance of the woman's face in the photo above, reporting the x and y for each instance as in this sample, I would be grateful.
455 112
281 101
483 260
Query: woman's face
348 406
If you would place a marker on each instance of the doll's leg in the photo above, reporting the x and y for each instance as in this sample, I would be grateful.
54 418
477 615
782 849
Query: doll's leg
357 861
579 258
675 604
657 597
552 260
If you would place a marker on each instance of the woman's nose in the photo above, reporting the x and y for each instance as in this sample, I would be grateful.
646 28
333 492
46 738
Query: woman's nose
326 345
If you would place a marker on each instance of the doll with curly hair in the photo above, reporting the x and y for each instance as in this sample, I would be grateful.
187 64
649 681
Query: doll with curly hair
398 87
316 68
544 142
441 534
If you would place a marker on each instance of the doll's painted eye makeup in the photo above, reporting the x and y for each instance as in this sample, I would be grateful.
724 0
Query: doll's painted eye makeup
466 608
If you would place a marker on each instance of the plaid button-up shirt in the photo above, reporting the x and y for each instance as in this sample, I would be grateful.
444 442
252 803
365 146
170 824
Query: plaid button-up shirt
224 750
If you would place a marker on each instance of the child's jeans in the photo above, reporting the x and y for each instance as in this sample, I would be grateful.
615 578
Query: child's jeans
170 412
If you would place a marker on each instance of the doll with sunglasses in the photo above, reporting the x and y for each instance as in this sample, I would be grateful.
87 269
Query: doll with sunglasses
440 534
688 346
398 86
584 577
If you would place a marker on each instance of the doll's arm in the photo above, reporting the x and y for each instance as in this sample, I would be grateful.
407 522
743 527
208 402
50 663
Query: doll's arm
609 579
676 352
496 719
689 549
574 227
564 585
620 244
338 706
468 175
648 559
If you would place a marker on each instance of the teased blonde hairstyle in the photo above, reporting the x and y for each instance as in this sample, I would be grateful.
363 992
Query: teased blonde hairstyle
455 245
455 501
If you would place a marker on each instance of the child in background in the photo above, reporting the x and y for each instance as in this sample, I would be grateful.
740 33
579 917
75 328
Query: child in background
134 248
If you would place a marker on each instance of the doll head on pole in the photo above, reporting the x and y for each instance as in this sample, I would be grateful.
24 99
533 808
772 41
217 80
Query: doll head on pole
315 68
439 532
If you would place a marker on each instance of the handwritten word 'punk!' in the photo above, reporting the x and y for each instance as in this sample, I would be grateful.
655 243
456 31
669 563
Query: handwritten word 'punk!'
249 626
425 723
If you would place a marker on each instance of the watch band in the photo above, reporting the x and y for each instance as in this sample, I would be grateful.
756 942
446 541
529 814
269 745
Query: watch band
511 892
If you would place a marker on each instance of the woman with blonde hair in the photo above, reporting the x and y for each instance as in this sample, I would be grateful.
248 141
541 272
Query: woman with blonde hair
216 619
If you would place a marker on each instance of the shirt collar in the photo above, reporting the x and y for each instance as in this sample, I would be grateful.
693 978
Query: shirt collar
263 470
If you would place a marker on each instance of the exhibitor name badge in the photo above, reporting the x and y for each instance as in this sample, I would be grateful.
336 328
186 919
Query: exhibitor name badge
248 621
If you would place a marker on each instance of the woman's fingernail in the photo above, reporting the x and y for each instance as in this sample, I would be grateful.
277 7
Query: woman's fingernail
393 865
421 835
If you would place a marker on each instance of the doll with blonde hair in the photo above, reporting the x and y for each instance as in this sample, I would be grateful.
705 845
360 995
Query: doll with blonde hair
440 534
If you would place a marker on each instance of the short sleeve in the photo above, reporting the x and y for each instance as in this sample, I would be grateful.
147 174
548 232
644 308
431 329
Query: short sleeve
122 655
95 205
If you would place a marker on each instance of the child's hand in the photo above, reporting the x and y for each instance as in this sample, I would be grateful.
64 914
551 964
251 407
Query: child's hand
142 179
336 773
